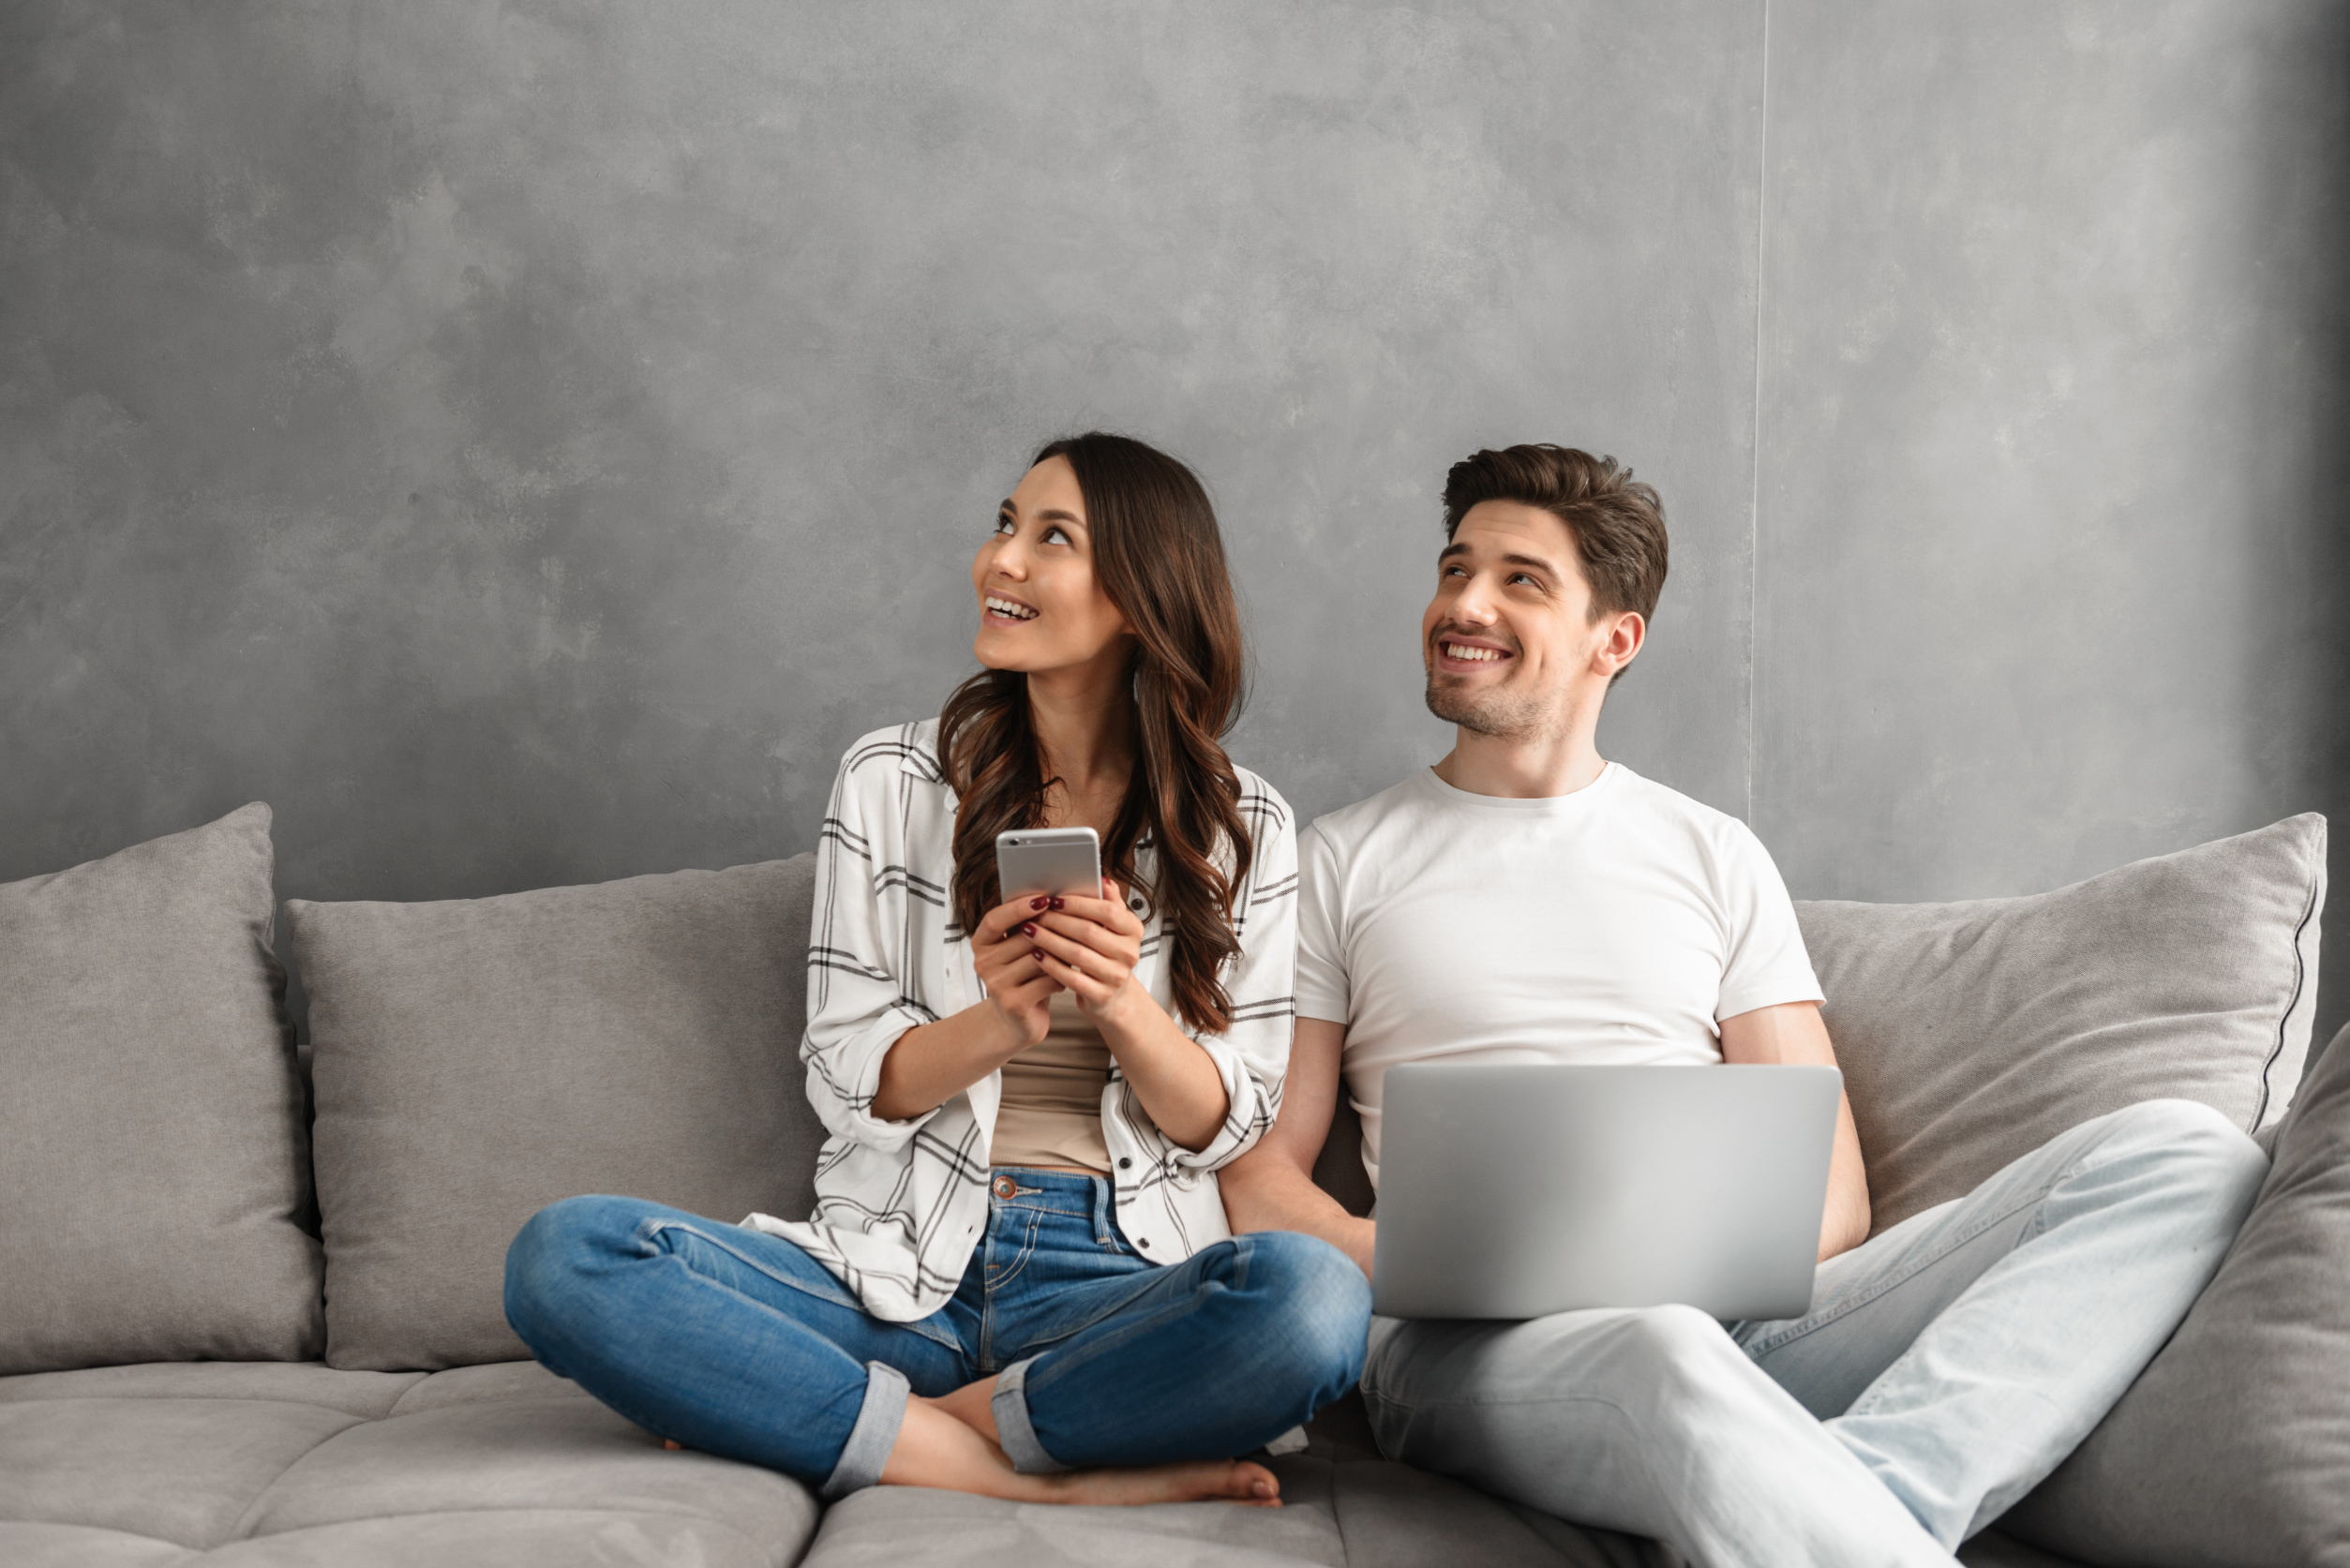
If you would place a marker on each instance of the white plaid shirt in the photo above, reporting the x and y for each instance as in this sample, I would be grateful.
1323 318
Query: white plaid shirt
900 1205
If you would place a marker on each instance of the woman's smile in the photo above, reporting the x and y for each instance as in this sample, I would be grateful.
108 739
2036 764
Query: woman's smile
1002 609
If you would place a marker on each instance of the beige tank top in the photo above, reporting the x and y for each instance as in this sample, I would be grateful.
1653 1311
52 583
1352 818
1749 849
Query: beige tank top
1051 1107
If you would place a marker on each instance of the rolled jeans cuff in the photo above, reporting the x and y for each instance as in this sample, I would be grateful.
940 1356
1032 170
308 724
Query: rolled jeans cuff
1009 1404
876 1432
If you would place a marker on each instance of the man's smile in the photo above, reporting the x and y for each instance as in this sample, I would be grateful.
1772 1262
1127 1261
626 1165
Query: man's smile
1464 654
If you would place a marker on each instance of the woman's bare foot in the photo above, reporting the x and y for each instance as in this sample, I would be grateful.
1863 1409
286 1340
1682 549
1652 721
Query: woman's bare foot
1204 1481
935 1449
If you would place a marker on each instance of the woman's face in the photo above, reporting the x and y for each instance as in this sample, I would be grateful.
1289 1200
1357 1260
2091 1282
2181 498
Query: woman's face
1041 609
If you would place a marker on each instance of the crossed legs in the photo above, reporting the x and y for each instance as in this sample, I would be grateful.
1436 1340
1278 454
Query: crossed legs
737 1343
1945 1368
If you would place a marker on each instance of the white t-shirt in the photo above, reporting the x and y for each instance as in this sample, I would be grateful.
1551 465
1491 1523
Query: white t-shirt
1617 925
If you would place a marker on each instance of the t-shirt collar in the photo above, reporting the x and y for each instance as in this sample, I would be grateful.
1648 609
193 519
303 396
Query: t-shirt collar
1544 805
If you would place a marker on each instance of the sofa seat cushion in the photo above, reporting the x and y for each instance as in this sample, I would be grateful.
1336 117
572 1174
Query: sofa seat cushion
1972 1032
228 1463
1342 1510
151 1136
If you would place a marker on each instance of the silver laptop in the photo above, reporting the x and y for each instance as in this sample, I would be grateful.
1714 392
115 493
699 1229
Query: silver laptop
1510 1191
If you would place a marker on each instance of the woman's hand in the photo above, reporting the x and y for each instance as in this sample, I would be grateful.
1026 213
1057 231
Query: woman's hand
1089 947
1003 951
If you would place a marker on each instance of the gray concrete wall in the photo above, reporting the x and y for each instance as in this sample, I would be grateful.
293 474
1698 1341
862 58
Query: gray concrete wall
2053 547
526 444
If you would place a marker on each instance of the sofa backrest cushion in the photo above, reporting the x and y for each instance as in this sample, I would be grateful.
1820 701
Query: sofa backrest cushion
1972 1032
2233 1446
151 1137
477 1059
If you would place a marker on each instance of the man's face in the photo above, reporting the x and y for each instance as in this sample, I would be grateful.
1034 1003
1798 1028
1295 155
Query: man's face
1508 641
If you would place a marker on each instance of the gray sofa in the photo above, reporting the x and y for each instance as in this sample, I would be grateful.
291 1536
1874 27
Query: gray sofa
249 1293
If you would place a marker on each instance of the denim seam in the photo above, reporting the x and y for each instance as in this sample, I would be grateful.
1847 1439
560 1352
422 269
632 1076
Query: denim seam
1012 1270
1182 1308
1143 1282
1813 1325
2040 1228
648 1228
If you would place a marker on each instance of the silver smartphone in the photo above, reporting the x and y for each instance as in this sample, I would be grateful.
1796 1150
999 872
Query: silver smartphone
1054 860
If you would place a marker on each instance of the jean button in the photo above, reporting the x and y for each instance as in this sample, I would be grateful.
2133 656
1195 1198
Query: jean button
1004 1187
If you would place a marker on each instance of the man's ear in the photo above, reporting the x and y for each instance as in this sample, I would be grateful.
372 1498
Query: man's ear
1623 644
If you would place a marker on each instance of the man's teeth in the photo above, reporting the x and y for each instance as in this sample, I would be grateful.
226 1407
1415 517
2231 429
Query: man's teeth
1472 655
1005 606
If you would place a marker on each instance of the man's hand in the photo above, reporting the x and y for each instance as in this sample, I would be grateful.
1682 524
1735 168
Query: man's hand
1792 1033
1271 1188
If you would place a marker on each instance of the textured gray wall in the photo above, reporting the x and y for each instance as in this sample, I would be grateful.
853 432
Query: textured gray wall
2052 504
526 444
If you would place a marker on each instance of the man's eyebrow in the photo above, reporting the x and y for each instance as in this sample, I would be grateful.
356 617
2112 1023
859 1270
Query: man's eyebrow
1458 548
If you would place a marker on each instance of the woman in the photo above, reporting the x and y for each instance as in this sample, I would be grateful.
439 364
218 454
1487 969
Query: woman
1018 1279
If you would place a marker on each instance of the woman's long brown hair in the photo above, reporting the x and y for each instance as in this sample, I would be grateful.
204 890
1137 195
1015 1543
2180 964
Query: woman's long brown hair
1160 557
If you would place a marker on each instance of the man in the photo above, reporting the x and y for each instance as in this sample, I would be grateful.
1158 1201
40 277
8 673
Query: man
1525 898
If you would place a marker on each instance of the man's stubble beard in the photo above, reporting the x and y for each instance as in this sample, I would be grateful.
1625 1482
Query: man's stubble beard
1502 714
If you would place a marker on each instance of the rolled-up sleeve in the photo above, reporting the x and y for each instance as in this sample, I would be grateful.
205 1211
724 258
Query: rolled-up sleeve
1252 1056
860 1000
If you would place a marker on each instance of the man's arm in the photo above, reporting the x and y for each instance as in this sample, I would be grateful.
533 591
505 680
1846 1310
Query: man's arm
1271 1188
1792 1032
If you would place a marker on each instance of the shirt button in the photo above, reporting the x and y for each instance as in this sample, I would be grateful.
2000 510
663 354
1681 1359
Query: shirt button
1144 1242
1135 904
1125 1164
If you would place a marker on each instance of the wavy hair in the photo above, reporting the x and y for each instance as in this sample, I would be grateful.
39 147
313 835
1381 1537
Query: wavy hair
1159 558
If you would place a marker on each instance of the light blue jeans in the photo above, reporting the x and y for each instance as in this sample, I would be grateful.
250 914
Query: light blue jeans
737 1342
1946 1366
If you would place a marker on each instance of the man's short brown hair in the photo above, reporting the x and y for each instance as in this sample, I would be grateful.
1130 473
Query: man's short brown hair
1617 523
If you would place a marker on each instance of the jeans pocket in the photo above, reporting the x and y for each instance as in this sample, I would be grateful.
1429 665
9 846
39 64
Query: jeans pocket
1001 1274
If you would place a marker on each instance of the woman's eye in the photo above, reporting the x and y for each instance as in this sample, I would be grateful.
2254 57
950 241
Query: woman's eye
1053 533
1004 525
1522 577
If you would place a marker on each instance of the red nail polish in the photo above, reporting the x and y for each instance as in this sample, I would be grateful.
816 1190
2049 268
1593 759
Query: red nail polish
1056 904
1027 930
1043 903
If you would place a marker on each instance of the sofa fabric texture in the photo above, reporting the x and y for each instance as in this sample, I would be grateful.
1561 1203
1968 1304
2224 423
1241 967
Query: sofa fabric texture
475 1060
299 1463
1972 1032
152 1148
219 1465
2233 1449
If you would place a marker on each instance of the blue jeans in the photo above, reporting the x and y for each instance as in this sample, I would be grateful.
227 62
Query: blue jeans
738 1343
1945 1367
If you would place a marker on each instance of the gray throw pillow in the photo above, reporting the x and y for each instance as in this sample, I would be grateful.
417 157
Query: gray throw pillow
2233 1449
151 1140
1971 1033
475 1060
